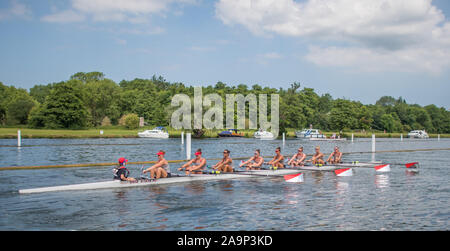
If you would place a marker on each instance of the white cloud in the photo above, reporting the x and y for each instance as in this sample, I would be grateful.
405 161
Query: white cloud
16 10
367 34
271 55
133 11
67 16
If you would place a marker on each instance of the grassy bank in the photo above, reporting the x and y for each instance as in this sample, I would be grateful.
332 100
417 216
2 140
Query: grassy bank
120 132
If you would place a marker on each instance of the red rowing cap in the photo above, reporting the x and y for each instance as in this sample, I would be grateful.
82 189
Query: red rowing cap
198 153
160 153
122 160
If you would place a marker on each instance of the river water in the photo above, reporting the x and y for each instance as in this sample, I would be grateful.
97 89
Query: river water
398 200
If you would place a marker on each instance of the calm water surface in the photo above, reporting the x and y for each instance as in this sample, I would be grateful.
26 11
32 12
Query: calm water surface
398 200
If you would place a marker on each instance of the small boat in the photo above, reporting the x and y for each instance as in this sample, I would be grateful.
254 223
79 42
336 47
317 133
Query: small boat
309 133
332 138
231 133
157 133
117 184
418 134
114 184
327 139
263 135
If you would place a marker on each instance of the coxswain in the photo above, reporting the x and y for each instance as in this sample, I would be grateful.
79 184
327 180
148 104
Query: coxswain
121 172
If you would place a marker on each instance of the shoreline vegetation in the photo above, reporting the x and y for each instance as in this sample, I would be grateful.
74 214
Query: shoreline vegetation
121 132
88 102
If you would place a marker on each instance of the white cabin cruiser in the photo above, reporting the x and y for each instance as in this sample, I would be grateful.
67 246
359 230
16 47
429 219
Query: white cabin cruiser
263 135
157 133
309 133
420 134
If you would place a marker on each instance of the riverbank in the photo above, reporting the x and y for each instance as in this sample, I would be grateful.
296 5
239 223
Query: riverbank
120 132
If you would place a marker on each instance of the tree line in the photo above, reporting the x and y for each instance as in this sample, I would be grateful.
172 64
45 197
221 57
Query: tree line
89 100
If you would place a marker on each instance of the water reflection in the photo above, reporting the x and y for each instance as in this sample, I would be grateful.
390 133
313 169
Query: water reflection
318 177
382 181
323 202
194 188
342 187
226 186
411 172
292 193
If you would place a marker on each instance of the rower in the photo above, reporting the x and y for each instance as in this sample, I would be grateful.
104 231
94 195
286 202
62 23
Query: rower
196 165
278 160
121 172
160 169
255 162
298 158
317 158
226 164
335 157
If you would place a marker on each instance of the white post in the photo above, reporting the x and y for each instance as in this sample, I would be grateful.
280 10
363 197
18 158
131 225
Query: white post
188 146
353 135
401 137
373 147
373 143
439 137
182 138
19 139
284 137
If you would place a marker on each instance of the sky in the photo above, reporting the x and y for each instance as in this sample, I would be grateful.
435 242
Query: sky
354 49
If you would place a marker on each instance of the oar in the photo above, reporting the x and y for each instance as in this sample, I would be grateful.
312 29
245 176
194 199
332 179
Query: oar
407 165
243 172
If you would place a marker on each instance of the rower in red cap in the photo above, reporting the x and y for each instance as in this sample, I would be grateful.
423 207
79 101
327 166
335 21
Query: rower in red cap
161 169
121 172
196 165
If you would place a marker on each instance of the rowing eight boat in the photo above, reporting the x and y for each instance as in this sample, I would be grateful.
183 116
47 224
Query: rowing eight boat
193 177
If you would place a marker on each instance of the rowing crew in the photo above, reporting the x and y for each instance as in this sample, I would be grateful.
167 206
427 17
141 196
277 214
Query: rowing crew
317 159
197 165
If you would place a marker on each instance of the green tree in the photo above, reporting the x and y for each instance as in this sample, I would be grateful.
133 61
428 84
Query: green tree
40 92
343 115
88 77
63 108
102 99
131 121
19 108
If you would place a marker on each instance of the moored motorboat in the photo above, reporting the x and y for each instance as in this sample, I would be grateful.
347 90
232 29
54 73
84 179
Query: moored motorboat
157 133
309 133
418 134
231 133
263 135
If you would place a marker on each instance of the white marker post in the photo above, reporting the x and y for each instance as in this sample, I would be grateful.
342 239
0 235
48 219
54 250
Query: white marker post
439 137
19 138
401 137
182 138
188 146
284 137
353 135
373 147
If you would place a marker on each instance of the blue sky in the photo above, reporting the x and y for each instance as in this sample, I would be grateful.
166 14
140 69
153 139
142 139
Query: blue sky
360 50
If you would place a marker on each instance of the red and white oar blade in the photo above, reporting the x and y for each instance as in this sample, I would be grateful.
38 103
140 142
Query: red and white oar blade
413 165
344 172
383 168
295 178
